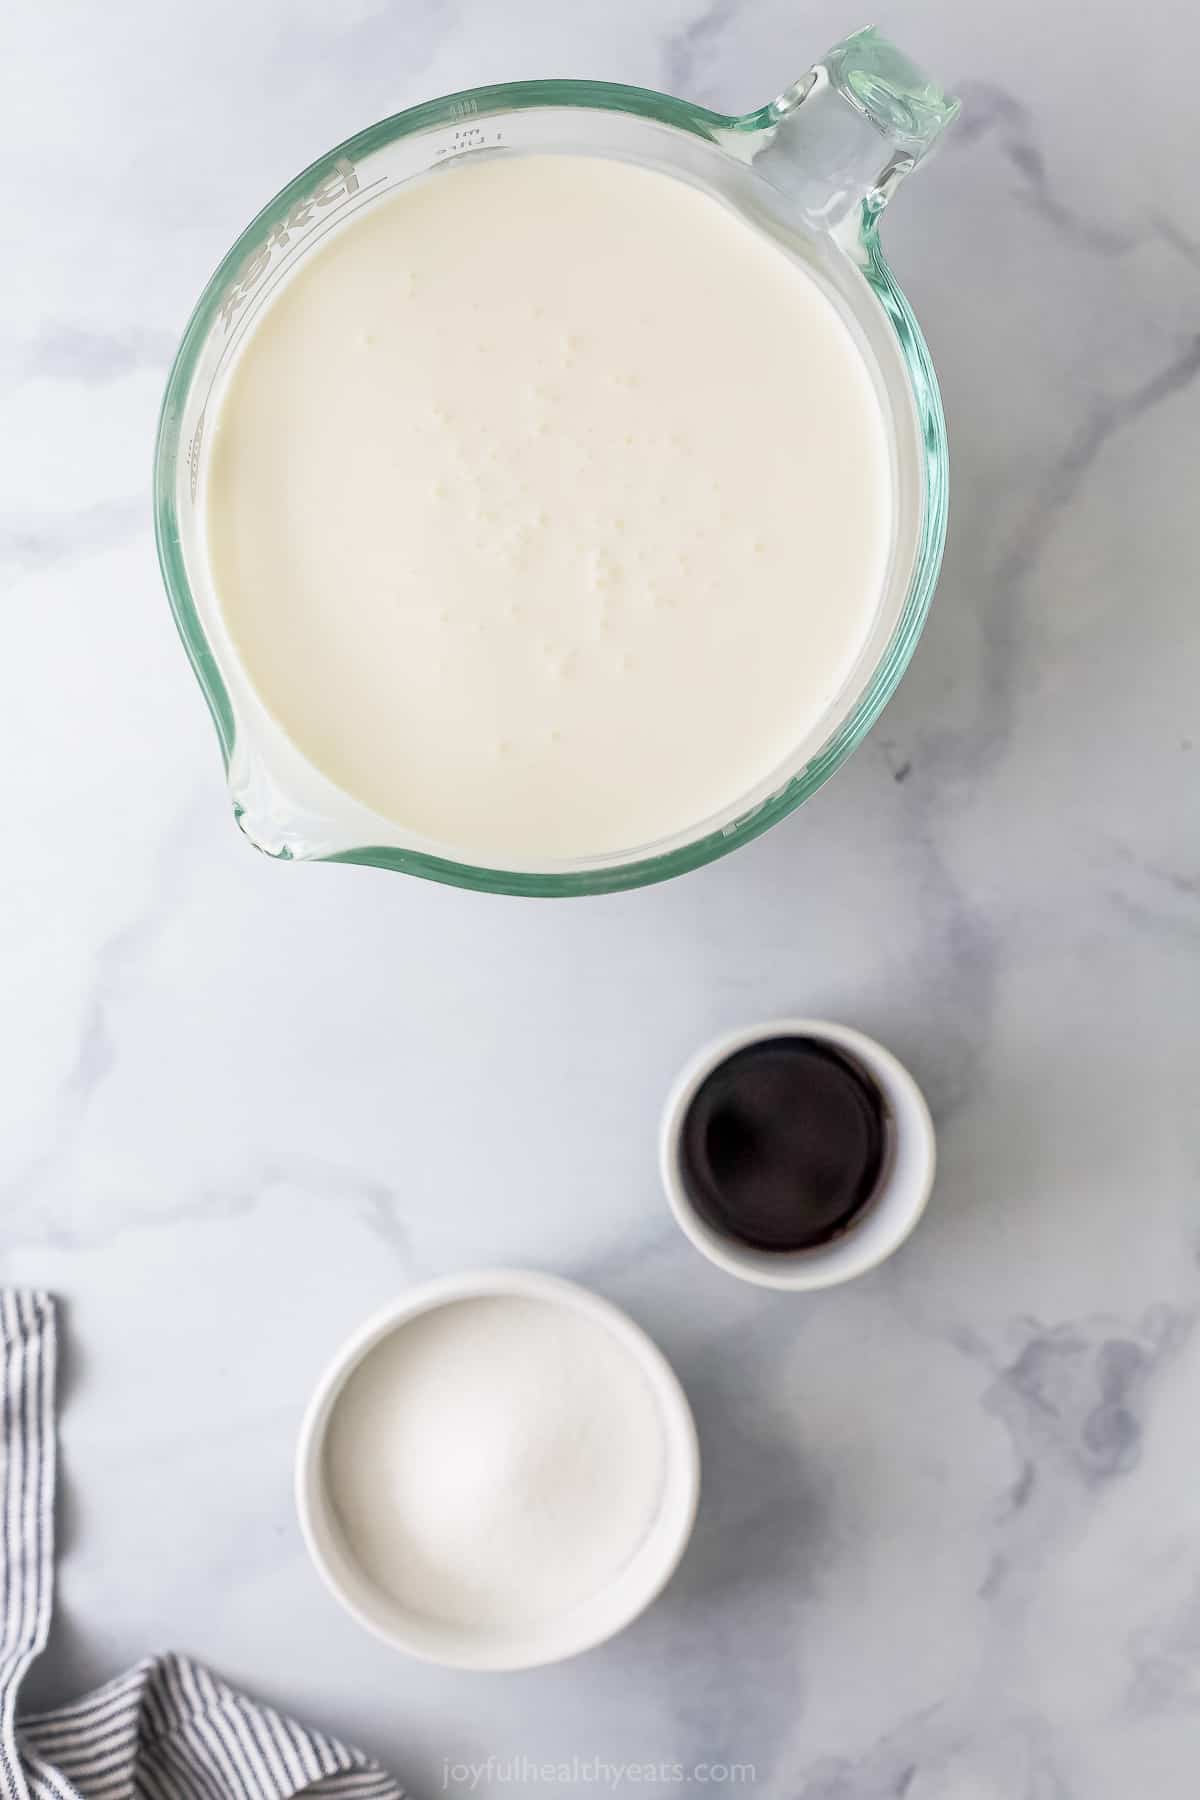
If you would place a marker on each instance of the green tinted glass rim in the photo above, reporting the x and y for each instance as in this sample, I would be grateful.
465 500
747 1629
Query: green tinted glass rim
452 109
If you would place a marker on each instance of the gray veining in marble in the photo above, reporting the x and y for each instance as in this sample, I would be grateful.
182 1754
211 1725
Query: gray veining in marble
950 1542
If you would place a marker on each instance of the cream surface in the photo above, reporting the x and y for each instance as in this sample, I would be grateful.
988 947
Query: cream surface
549 507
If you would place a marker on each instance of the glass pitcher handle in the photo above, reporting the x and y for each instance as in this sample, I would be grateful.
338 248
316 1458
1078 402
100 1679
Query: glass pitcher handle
840 140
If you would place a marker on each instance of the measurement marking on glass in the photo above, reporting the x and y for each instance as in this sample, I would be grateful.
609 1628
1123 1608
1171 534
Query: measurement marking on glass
193 455
468 138
259 300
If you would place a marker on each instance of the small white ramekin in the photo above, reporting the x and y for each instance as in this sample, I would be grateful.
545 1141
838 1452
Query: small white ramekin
585 1625
887 1218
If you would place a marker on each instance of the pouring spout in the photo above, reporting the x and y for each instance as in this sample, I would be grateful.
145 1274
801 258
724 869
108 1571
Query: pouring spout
839 141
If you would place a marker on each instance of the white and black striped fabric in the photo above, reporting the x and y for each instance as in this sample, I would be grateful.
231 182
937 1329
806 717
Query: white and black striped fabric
168 1730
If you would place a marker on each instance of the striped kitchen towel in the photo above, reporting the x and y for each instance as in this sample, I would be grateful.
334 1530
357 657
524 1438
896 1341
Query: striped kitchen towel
168 1730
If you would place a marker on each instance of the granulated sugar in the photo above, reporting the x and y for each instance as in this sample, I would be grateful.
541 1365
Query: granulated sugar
496 1461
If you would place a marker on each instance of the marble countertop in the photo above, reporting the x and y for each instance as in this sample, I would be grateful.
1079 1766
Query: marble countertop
949 1547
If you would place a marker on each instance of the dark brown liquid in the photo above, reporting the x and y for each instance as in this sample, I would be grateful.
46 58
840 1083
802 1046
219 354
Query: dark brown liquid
784 1143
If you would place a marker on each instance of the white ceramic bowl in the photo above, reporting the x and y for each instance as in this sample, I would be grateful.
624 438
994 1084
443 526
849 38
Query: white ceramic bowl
887 1218
585 1625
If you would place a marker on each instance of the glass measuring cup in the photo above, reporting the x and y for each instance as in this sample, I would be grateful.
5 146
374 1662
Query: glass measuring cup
815 168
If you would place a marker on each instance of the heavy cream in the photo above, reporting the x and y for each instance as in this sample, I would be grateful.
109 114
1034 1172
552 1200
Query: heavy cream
549 507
